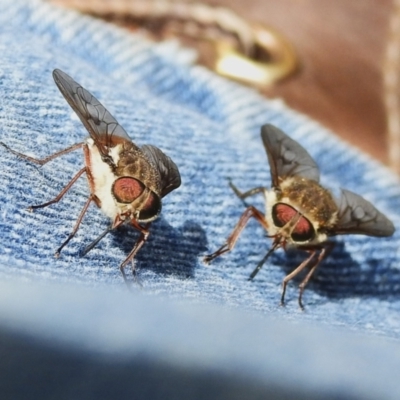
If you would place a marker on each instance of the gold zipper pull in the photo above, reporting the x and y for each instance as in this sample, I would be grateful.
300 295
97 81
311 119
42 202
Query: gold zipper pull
274 59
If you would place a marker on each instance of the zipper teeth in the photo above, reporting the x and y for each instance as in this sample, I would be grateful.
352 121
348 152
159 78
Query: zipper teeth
203 15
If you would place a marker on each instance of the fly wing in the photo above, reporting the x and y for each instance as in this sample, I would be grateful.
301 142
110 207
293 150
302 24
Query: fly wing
101 125
170 177
358 216
286 157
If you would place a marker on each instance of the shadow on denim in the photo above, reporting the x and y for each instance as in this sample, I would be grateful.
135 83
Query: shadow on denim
168 250
339 275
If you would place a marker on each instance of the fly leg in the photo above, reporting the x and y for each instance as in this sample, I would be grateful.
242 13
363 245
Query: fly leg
250 212
312 250
46 159
326 249
243 195
58 198
144 234
62 193
97 240
275 245
116 223
76 227
294 273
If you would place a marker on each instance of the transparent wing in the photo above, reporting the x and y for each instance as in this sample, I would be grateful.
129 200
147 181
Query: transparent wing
169 173
358 216
101 125
286 157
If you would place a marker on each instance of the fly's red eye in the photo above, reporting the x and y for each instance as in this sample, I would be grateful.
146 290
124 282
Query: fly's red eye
151 202
126 189
151 208
303 231
283 213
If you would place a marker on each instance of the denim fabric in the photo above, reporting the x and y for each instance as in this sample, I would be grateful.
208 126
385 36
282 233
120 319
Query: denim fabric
211 129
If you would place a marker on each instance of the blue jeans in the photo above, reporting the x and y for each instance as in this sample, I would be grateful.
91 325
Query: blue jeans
70 328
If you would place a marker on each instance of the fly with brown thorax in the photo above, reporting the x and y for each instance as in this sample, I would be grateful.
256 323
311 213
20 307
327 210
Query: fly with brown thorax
301 213
126 182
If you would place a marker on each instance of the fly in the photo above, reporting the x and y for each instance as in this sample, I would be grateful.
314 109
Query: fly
126 182
300 212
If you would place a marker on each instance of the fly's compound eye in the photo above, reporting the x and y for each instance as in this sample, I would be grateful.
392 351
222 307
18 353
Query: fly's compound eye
282 214
127 189
151 208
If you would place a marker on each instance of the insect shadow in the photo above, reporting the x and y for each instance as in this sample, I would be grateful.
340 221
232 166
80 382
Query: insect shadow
340 276
169 250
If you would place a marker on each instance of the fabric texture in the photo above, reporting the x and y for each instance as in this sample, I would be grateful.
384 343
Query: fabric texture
198 331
